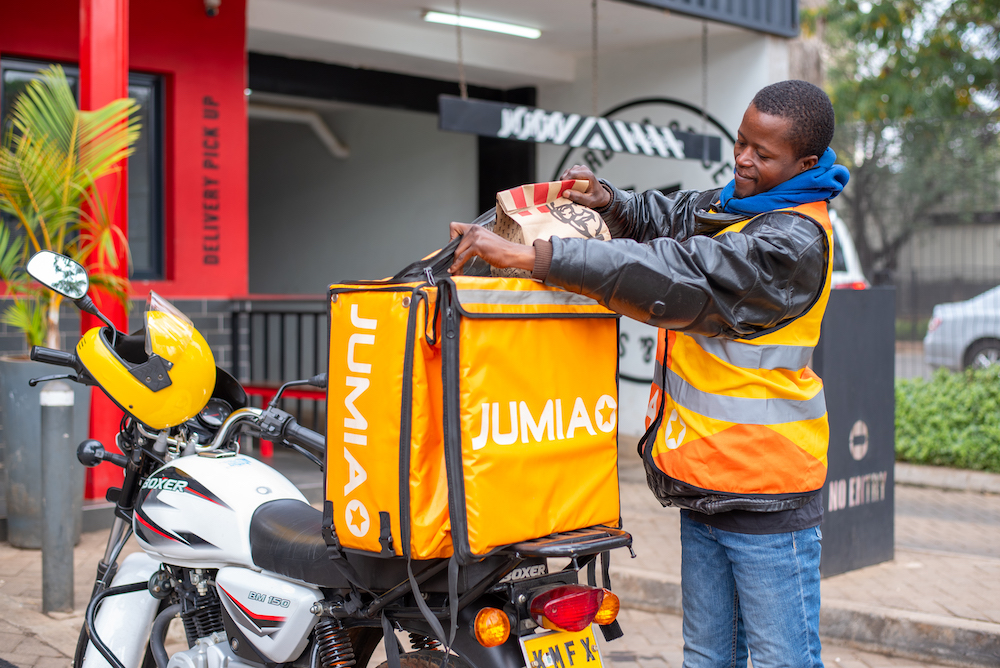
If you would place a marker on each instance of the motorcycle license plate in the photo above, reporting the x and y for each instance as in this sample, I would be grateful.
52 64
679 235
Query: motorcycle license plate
562 649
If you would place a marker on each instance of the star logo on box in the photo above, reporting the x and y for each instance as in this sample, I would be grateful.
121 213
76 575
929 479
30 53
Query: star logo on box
358 520
606 414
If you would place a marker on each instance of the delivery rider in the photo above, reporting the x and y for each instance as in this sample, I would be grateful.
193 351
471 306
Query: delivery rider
737 280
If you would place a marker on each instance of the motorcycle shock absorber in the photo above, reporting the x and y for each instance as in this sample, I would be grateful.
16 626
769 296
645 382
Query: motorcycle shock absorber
333 645
419 642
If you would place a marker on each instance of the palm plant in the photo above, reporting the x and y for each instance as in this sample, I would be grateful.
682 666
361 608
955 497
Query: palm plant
50 160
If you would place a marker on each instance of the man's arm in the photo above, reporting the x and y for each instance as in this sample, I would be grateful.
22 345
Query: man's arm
641 216
732 285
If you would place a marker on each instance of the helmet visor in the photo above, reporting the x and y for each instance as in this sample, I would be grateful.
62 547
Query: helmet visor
168 331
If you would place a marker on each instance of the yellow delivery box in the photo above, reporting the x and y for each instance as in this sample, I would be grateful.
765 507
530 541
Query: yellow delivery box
468 413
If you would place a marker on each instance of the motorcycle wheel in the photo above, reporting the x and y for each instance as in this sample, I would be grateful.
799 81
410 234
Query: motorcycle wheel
427 658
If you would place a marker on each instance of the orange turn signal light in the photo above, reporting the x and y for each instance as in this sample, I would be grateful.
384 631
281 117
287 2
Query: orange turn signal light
492 627
608 612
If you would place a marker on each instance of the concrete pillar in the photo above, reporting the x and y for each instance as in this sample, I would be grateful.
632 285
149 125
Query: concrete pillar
58 501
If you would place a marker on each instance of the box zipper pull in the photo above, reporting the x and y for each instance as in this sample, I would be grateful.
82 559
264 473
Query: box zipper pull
430 276
449 324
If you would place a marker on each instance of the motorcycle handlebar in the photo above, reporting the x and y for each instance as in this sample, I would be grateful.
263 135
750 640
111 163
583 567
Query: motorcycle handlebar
255 421
305 437
53 356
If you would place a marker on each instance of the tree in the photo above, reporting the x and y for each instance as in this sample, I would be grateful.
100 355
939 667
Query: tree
914 85
49 162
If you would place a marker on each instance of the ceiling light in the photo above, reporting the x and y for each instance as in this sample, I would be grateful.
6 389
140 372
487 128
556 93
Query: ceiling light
482 24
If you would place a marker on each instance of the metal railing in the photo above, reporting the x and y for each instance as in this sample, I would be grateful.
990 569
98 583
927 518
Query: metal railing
280 339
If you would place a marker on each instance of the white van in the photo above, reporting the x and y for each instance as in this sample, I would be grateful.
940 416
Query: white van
847 274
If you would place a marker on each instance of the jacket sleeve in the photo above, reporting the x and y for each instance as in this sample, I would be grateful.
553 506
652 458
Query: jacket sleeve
651 215
732 285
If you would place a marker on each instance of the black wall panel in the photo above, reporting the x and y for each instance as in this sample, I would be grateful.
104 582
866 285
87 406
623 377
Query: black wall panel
855 358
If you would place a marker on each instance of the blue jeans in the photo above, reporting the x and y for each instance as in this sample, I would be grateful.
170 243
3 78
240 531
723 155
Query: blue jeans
750 592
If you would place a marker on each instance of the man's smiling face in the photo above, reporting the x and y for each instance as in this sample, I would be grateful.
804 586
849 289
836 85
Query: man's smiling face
764 154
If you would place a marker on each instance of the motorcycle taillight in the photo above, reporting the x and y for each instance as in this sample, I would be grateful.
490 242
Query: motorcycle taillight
567 607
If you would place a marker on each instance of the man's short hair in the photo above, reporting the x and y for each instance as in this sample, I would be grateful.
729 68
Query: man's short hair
809 109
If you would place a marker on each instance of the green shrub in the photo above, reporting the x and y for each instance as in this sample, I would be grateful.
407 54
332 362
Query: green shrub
951 420
909 330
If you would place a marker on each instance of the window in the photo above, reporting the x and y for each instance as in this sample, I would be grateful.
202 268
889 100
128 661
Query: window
145 165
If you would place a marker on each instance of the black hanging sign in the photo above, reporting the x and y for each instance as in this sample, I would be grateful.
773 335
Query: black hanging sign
518 122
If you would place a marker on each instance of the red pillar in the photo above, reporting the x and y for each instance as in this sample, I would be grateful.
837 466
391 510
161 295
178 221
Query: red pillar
103 78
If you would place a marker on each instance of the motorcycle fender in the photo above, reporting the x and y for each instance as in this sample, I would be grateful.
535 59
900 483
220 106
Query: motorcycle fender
124 622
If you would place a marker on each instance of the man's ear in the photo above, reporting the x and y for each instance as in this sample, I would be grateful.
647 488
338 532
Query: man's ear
807 163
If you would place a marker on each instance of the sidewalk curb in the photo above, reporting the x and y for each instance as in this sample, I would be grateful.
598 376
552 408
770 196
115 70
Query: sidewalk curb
647 590
941 477
912 634
902 633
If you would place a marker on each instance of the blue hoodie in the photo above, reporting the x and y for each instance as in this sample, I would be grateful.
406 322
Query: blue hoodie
822 182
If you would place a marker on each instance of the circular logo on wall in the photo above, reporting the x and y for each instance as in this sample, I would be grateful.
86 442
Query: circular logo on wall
645 169
858 440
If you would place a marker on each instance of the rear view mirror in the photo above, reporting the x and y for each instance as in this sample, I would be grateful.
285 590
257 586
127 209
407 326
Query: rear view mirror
59 273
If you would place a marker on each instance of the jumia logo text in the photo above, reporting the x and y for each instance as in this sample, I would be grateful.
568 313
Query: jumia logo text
355 427
519 422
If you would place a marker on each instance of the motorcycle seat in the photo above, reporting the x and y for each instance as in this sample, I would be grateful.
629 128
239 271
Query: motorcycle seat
286 538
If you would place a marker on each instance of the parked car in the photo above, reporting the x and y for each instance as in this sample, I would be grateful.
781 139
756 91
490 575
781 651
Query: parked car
965 334
847 273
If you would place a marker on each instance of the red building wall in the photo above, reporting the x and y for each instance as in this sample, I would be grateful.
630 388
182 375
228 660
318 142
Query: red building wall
203 62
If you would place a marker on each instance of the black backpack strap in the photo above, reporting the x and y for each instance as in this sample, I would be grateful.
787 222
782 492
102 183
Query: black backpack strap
453 598
385 534
612 631
335 553
425 610
436 266
392 649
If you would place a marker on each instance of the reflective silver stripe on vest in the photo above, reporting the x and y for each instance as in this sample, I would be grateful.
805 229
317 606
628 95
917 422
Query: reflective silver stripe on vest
523 298
742 410
657 374
747 356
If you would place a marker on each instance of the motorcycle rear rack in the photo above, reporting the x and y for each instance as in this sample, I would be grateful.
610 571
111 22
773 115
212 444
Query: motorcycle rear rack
572 544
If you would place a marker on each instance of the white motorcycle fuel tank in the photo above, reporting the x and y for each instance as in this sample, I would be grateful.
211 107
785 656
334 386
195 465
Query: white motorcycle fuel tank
196 510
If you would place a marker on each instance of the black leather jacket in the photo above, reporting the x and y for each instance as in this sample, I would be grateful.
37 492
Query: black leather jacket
664 267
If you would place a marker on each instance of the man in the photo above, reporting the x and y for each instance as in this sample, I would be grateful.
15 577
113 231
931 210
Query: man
737 280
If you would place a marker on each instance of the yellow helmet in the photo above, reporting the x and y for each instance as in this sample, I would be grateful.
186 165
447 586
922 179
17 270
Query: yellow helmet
162 375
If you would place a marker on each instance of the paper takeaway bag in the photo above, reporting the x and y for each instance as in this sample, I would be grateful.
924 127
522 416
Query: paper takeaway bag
538 210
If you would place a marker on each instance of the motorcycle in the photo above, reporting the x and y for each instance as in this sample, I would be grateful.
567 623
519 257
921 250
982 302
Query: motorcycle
254 573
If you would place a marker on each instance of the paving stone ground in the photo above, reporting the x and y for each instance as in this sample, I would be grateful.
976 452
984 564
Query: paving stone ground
653 640
24 650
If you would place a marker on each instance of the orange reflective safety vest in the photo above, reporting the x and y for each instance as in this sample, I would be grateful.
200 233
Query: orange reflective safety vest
741 418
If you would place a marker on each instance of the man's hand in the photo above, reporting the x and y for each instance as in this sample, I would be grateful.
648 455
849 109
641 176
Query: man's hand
479 242
594 197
